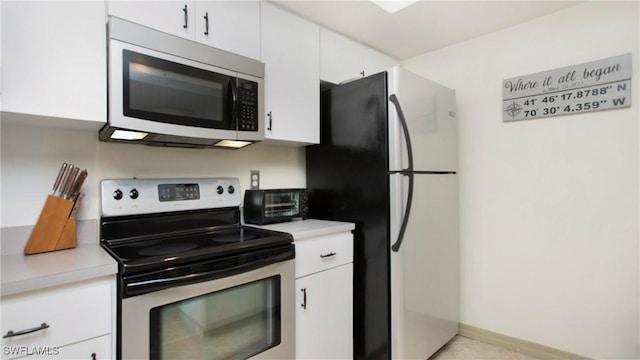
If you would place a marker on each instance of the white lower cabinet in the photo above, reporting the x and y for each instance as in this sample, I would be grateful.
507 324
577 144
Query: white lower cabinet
94 349
64 322
324 327
324 297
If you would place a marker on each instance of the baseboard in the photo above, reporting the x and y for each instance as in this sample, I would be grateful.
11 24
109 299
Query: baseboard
521 346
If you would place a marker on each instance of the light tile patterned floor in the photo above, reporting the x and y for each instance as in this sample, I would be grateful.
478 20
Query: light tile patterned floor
462 348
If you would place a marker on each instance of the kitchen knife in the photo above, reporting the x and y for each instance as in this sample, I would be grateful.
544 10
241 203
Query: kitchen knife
75 188
68 184
76 206
65 177
59 178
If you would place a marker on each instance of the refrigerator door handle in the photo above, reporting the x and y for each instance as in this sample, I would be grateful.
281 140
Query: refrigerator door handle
406 172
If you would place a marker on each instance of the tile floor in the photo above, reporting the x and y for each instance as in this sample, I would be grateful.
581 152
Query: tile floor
462 348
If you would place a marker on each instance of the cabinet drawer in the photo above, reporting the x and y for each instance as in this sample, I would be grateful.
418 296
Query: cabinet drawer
100 346
73 313
321 253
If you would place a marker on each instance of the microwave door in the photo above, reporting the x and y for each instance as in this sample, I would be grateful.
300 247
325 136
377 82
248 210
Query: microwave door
176 93
169 96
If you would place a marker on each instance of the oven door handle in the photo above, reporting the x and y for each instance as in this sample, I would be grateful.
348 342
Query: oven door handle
142 284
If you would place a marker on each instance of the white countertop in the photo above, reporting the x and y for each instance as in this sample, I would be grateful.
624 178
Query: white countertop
302 229
22 273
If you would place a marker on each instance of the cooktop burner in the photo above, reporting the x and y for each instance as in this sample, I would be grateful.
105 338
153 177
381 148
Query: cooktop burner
166 249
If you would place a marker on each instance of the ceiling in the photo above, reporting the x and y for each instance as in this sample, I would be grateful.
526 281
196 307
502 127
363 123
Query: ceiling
424 26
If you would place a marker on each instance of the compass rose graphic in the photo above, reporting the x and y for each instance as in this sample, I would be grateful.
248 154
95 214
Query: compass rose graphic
513 109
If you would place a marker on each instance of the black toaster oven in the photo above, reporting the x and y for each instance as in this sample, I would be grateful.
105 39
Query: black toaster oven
270 206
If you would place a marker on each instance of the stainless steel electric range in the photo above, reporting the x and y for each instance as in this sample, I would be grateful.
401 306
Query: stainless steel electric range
193 282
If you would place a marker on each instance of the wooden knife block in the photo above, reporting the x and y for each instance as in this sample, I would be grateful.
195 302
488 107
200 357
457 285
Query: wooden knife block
55 230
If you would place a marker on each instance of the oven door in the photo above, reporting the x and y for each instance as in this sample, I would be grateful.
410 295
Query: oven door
249 315
155 92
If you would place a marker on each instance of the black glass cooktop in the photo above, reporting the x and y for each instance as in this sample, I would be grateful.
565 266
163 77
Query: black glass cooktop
144 243
165 251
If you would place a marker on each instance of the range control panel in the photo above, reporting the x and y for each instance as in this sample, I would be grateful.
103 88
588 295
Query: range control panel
145 196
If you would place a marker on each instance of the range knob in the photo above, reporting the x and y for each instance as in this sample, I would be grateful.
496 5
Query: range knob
117 194
231 189
220 190
134 193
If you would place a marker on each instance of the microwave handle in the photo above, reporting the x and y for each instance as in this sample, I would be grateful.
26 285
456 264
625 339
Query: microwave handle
233 102
233 89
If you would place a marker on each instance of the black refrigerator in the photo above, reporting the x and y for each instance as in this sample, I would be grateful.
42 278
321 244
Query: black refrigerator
387 161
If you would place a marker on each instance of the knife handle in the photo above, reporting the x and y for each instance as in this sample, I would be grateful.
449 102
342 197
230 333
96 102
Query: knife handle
61 174
65 179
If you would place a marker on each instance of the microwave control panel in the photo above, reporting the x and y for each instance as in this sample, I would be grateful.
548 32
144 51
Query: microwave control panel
247 105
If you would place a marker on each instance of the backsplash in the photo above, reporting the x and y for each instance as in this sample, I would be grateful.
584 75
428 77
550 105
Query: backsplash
31 158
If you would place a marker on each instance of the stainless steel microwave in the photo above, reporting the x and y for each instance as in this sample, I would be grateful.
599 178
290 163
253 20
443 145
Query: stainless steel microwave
275 205
165 90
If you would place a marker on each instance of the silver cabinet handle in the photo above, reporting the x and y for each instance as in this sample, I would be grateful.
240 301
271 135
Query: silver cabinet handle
328 255
12 333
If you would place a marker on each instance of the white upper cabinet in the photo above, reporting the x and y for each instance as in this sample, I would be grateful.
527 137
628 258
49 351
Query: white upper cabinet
54 63
233 26
173 17
230 25
375 62
290 52
343 59
340 58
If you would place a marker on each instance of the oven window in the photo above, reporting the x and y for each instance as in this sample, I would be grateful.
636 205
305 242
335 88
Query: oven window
234 323
282 204
160 90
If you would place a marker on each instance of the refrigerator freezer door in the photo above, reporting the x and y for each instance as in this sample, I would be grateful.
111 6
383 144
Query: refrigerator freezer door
429 109
347 181
425 271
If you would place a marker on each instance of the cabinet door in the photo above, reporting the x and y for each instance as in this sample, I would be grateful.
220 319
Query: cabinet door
344 59
324 317
340 58
233 26
290 51
54 60
375 62
173 17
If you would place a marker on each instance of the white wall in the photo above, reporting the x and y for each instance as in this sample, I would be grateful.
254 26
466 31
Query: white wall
31 158
549 207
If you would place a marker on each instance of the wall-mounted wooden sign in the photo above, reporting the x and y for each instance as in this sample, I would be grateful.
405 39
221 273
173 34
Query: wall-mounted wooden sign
599 85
